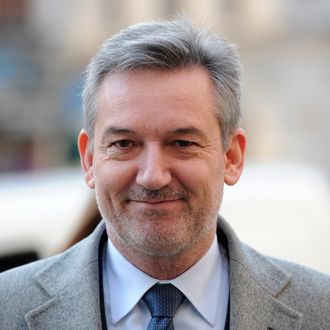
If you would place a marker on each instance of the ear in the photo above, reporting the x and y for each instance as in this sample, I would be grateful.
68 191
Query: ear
234 157
86 157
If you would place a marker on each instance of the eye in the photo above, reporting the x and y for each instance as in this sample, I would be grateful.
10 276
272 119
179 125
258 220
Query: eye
123 144
183 143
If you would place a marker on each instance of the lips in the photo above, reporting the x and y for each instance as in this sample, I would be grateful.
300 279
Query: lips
154 201
166 194
159 205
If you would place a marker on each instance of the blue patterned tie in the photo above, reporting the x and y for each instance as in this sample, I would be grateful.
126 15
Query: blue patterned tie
163 300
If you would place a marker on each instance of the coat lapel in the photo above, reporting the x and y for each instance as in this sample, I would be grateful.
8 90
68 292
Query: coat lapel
252 307
255 284
72 283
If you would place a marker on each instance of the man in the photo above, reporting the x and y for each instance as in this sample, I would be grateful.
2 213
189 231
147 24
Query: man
161 137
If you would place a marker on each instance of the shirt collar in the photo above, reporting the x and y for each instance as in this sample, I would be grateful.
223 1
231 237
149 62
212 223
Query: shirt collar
200 284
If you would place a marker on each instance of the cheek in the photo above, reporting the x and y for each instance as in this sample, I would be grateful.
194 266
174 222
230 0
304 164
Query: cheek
202 176
112 178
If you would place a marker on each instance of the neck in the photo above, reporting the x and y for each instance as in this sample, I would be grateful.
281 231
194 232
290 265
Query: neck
165 267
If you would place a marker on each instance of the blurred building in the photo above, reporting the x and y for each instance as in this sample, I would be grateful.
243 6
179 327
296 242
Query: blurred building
46 44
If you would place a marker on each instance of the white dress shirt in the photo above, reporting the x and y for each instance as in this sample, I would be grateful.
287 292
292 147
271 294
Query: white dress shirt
205 285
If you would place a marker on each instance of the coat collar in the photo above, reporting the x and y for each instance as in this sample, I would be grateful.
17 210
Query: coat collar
72 283
255 283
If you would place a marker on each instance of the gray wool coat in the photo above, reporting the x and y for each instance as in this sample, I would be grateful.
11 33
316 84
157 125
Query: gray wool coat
62 292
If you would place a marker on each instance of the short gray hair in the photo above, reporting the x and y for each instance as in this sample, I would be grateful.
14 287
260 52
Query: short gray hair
169 45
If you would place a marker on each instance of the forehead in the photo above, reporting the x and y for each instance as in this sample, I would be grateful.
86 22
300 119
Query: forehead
157 97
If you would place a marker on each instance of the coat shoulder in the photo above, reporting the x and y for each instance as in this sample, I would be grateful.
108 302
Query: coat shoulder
308 280
24 288
20 293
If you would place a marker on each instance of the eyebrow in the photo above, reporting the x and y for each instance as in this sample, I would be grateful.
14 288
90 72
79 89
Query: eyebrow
187 131
117 130
113 130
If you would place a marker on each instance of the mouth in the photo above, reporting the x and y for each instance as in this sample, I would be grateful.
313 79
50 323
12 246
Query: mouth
154 201
156 204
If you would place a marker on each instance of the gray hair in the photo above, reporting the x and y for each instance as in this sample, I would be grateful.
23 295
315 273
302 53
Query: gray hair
169 45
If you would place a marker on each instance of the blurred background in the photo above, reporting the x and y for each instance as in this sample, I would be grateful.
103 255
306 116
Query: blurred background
281 206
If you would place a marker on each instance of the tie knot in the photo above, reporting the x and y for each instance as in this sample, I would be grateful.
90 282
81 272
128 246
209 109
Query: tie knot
163 300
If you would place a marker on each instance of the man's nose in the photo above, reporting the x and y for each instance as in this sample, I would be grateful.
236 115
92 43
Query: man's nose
153 172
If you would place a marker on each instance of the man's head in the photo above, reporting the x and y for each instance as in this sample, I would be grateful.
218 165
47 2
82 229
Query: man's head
155 152
169 46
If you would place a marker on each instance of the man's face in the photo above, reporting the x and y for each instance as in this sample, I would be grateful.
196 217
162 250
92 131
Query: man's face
157 165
